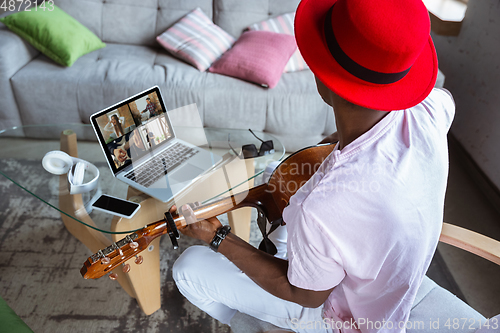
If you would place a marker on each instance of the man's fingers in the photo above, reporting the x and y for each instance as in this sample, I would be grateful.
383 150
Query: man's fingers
213 220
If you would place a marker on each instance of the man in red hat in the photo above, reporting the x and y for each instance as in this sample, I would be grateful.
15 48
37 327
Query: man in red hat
363 230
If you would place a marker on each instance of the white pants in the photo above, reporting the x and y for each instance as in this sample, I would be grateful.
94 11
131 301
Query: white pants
215 285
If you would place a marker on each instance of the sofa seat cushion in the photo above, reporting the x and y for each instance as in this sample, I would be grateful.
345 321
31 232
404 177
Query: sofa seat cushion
48 93
293 111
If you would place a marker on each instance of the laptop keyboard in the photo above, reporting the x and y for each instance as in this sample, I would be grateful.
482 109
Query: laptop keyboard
163 163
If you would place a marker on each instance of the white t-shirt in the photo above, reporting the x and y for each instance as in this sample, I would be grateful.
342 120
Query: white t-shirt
368 222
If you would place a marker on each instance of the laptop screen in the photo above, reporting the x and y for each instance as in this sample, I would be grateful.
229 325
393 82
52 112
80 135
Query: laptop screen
132 128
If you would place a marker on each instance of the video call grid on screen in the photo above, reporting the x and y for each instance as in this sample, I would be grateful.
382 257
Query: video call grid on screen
133 128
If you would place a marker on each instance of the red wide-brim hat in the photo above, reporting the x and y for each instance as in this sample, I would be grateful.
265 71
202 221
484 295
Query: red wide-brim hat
376 54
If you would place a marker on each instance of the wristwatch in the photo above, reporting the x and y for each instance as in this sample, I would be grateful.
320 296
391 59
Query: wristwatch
219 237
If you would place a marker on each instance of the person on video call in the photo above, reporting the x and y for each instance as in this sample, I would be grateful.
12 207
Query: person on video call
115 125
151 138
129 147
362 231
151 108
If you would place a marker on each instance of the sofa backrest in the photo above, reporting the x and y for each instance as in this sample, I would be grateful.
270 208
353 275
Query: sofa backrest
135 22
235 15
138 22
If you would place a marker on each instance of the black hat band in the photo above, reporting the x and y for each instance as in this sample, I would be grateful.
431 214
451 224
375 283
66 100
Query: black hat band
350 65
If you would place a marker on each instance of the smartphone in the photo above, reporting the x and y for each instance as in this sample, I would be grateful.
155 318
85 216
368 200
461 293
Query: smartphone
116 206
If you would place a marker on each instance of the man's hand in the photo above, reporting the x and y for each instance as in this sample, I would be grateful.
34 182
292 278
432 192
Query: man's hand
204 230
332 138
264 269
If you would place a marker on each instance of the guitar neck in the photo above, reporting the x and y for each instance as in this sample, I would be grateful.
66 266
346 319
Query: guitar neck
257 197
105 260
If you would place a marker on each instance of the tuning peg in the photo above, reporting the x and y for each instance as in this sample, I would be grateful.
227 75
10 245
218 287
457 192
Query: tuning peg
105 261
113 276
126 268
138 260
134 245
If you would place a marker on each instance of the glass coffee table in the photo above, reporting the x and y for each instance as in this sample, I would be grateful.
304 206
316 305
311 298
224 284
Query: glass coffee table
22 150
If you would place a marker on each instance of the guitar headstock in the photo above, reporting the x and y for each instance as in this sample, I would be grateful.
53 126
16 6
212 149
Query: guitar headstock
104 261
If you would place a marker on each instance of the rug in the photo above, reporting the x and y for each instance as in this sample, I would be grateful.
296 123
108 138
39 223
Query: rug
40 271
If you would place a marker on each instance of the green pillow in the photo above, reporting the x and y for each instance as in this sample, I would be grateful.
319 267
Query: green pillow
55 33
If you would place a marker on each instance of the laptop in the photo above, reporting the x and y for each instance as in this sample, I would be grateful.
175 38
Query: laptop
142 150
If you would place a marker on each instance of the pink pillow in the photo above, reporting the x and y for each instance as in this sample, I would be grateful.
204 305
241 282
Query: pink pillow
257 56
284 25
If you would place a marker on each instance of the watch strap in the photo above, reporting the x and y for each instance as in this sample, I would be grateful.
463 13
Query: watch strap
221 233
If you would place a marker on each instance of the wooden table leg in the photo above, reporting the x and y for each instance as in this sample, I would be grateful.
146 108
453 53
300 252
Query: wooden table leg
234 174
143 281
144 278
240 219
93 239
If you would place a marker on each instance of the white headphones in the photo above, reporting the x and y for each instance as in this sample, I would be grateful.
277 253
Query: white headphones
59 163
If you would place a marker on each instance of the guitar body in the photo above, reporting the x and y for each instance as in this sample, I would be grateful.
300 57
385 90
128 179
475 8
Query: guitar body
270 198
294 172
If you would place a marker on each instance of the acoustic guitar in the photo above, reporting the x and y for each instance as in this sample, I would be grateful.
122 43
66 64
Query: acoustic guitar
270 199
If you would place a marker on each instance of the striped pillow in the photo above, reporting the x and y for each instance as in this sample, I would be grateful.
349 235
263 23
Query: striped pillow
283 24
196 40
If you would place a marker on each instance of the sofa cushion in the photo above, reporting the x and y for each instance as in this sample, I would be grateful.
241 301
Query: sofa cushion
235 15
131 21
55 33
283 24
100 79
293 111
16 54
139 22
257 56
196 40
